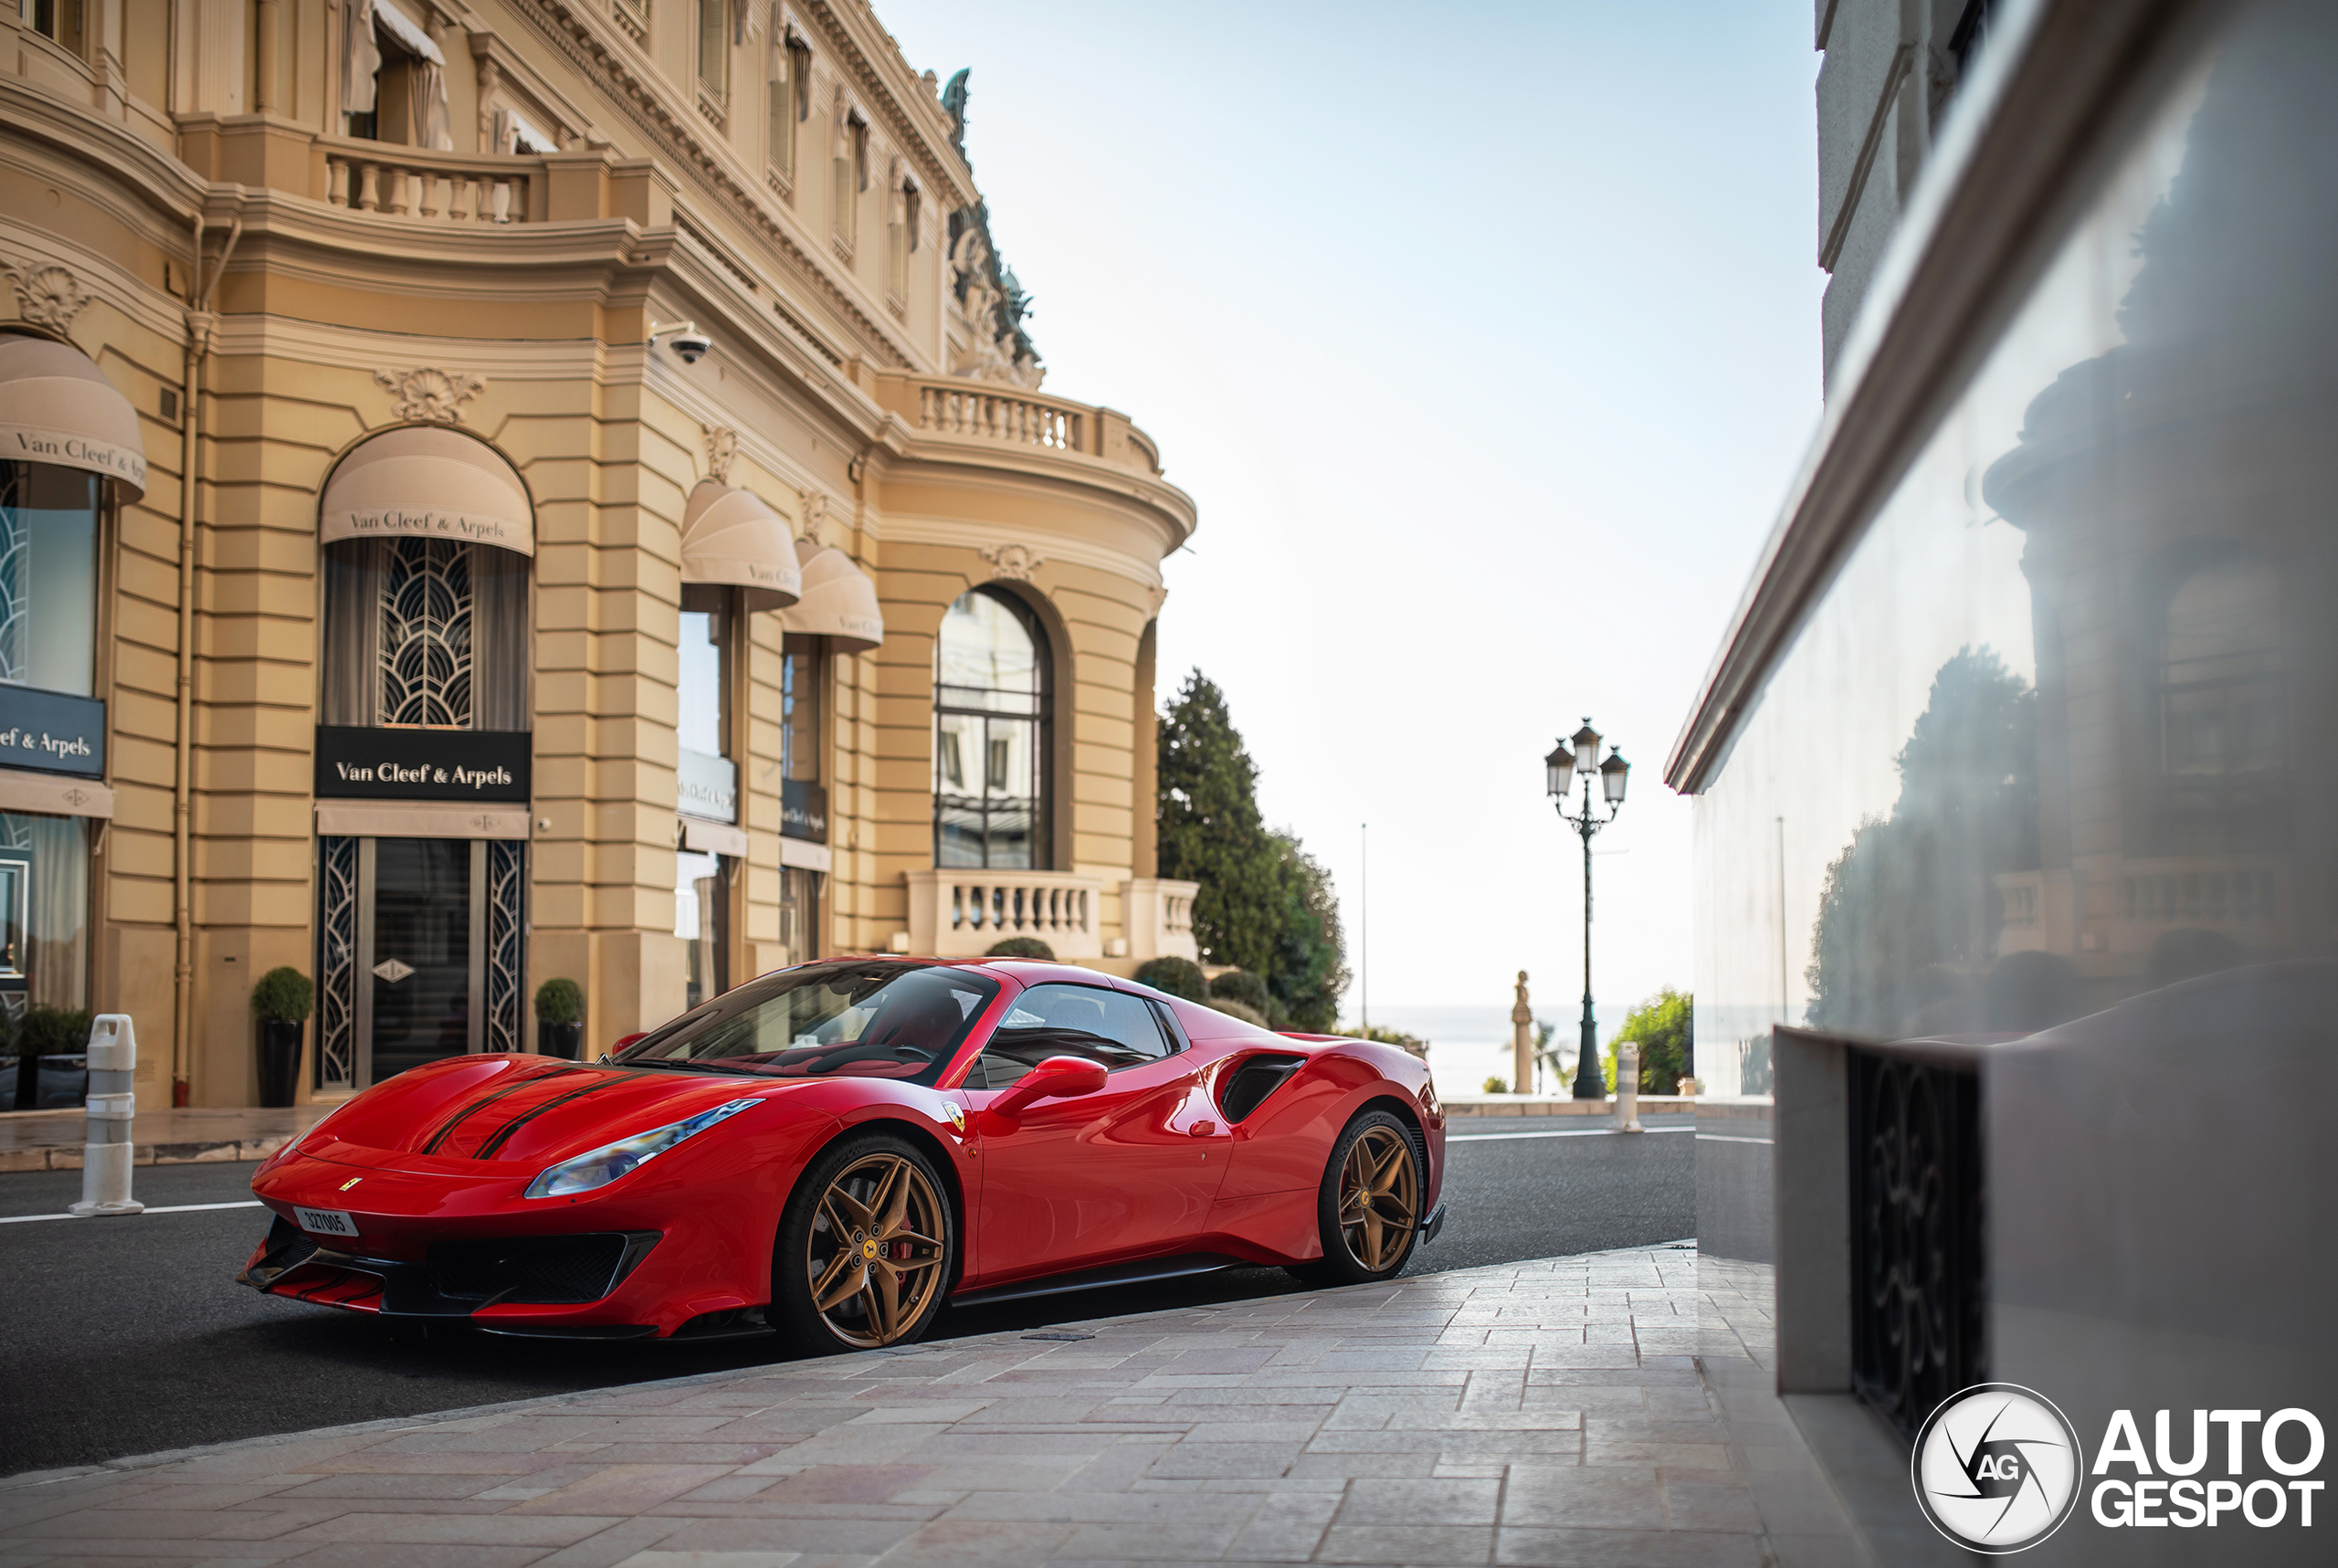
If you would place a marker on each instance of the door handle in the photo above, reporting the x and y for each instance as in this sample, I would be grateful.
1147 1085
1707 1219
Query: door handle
1203 1129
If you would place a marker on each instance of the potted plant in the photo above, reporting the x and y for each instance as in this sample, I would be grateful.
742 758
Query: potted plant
560 1018
281 1002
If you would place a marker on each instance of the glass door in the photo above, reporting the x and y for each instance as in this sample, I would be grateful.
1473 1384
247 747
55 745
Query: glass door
420 954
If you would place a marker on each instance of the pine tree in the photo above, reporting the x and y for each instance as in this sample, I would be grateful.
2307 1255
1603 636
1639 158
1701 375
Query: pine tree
1210 832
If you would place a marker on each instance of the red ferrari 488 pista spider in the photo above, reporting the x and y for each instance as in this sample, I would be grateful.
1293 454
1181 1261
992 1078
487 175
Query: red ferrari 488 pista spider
836 1150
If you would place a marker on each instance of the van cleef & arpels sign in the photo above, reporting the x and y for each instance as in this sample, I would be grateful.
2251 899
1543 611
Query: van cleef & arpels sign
51 732
356 762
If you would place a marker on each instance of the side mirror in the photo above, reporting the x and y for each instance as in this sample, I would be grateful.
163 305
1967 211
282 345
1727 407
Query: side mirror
625 1040
1058 1078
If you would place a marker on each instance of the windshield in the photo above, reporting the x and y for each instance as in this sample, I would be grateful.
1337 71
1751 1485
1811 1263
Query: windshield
854 1020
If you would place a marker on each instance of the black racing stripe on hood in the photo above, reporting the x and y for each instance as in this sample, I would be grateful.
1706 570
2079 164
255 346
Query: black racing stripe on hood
503 1135
431 1146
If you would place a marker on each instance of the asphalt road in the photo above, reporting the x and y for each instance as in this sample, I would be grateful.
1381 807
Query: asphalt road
130 1338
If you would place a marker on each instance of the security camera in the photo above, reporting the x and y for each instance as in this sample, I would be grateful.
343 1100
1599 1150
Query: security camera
687 342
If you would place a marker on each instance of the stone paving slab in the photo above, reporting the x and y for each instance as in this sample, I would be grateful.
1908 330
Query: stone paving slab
1377 1424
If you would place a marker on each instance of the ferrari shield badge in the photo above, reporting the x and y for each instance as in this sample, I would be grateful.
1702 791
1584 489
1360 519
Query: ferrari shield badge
957 1117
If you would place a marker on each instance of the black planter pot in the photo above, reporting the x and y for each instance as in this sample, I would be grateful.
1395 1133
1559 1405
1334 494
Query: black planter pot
279 1060
563 1041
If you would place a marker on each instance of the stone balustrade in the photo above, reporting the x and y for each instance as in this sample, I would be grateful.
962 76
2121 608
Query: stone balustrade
958 407
1158 916
962 913
427 186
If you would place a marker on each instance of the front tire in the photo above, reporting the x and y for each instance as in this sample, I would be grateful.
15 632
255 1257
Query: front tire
865 1250
1368 1210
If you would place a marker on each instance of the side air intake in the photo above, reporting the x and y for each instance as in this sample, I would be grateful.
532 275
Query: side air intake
1245 1088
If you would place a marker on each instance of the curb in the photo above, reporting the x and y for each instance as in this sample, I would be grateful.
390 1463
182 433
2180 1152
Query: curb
223 1151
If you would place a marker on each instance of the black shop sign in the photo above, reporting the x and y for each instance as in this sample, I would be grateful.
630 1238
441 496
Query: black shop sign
51 732
354 762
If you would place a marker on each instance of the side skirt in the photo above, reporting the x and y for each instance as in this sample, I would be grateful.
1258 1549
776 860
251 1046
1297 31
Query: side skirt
1141 1272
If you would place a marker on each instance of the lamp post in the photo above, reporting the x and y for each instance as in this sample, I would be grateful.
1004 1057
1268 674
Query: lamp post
1580 754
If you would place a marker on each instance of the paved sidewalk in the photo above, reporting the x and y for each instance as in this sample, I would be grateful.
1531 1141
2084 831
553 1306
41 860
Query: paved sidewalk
51 1140
1537 1413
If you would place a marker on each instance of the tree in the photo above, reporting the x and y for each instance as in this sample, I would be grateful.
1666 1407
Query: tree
1308 971
1210 832
1662 1026
1265 906
1909 912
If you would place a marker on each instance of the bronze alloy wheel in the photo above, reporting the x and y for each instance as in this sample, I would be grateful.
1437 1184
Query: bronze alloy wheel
1380 1198
874 1251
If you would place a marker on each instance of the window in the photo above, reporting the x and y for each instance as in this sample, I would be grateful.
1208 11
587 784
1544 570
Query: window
852 178
707 786
901 236
790 95
2219 689
59 21
715 48
425 632
991 735
1107 1026
866 1018
48 577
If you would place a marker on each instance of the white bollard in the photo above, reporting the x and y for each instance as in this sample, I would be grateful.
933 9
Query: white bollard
106 1152
1628 1088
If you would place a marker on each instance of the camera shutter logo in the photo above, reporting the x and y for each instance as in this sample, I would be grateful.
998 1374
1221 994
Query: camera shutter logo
1998 1467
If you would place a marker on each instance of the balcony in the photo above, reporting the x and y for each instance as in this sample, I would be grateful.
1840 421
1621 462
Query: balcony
963 913
987 415
427 186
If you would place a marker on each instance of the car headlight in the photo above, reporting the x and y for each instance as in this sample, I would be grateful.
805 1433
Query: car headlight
605 1165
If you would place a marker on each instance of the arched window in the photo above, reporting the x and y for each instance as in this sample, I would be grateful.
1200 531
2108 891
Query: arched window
2220 705
991 735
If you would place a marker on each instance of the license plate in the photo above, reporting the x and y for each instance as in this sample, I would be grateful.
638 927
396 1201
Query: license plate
326 1222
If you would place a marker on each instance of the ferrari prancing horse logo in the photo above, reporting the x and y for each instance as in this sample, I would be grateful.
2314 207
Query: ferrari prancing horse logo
957 1117
351 1182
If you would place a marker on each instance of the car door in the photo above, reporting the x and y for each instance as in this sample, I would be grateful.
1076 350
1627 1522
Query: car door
1079 1181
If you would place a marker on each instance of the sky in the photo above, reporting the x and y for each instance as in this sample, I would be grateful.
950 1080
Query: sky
1486 340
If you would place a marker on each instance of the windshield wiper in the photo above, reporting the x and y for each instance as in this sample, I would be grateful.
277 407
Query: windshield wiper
690 1063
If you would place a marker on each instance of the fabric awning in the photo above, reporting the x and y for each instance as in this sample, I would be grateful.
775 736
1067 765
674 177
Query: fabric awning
411 38
428 480
732 538
58 407
839 601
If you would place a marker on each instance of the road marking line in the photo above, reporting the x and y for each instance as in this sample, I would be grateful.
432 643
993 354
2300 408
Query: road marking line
1725 1137
167 1208
1585 1133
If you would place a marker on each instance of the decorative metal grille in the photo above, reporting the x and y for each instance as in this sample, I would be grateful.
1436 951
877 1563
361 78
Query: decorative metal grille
16 564
1916 1233
337 1042
425 641
507 925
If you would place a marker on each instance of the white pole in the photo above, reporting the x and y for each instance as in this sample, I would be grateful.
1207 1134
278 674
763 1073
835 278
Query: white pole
107 1148
1628 1088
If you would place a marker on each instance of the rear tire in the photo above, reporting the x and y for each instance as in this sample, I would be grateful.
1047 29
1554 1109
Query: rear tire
1368 1210
866 1249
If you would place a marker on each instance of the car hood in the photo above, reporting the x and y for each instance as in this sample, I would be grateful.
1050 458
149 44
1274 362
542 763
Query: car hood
533 1110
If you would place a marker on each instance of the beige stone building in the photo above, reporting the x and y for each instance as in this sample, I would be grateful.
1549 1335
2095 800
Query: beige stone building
523 489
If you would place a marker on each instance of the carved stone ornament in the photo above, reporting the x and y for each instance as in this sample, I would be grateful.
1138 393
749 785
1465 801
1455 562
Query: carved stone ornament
722 447
49 298
814 513
1016 563
1160 597
426 393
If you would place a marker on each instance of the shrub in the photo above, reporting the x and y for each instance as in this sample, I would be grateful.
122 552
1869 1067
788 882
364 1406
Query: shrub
1021 947
283 996
1663 1026
1240 985
1497 1086
560 1002
1177 976
55 1032
1241 1010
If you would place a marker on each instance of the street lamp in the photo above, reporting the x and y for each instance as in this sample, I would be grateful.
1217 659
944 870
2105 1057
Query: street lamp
1580 754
